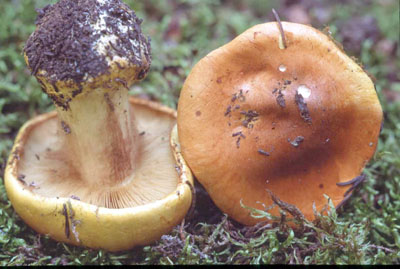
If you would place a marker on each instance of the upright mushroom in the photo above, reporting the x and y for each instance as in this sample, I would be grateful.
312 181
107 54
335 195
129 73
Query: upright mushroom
291 114
101 172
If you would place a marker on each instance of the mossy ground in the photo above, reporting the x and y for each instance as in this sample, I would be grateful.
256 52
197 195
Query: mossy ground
365 231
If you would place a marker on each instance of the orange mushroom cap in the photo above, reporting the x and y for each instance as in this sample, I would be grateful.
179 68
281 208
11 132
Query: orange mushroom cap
253 116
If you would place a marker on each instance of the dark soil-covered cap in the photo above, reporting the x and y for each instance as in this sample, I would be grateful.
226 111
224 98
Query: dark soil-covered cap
77 40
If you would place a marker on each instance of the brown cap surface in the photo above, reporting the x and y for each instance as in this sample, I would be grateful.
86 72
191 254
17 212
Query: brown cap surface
296 121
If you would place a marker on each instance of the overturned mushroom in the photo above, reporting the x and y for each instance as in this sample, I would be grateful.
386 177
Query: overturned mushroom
103 166
309 116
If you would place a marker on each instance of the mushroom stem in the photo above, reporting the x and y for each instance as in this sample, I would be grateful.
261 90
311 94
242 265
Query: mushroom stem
100 134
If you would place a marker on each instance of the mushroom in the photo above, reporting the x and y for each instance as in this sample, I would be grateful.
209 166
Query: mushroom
102 171
298 120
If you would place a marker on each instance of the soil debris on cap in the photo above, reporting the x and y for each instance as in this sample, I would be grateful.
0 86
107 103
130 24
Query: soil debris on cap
234 97
280 99
278 92
238 133
287 82
297 141
64 43
228 110
238 142
238 96
250 116
263 152
302 106
241 97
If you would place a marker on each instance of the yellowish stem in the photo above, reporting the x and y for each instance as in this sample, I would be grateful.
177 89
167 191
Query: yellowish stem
99 134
